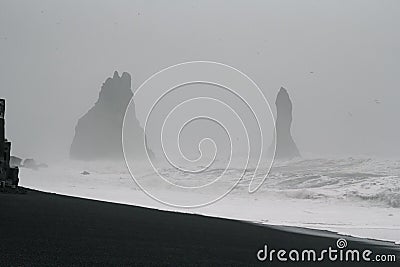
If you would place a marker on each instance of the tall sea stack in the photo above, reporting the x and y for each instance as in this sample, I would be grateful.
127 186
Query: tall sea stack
285 146
98 134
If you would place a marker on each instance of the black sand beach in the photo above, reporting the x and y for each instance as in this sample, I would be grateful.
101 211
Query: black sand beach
42 229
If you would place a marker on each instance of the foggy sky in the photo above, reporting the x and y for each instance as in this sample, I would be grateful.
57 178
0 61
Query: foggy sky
334 57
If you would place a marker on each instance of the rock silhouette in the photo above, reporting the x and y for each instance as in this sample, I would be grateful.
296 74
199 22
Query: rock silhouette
98 133
285 146
15 161
8 174
26 163
32 164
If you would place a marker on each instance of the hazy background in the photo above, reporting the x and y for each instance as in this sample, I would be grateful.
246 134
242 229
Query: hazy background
334 57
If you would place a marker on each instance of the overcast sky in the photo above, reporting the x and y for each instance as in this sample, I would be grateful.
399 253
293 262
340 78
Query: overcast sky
334 57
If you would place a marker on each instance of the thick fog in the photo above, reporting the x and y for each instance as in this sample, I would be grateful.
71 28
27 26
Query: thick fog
338 60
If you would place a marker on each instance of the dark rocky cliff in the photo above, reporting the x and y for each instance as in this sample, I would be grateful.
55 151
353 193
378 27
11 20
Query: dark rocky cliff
98 133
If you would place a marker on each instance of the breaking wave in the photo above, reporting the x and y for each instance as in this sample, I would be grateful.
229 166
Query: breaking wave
363 181
371 181
349 179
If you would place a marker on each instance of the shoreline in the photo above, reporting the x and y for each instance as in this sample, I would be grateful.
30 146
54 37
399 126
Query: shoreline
358 223
280 202
47 229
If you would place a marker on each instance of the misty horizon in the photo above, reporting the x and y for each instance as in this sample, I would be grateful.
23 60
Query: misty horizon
337 60
207 133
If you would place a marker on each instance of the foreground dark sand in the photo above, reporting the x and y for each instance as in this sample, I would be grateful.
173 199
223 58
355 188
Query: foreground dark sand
41 229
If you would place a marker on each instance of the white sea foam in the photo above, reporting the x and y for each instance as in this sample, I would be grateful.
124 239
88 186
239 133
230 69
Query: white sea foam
357 196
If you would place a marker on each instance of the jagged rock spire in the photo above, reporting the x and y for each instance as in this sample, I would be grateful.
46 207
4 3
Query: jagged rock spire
98 132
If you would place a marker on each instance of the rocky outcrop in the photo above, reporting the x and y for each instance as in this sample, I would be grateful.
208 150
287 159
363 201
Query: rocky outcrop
285 145
98 133
15 161
26 163
32 164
